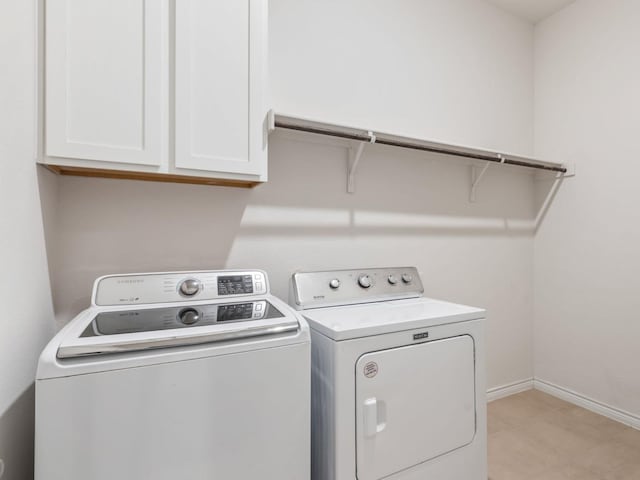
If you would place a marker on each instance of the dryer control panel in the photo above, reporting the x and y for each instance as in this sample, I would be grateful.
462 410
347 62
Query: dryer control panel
171 287
345 287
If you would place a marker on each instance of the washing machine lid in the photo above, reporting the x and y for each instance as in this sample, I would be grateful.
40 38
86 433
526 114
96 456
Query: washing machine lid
356 321
129 330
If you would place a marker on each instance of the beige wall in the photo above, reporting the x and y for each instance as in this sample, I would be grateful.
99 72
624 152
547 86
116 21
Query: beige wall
586 253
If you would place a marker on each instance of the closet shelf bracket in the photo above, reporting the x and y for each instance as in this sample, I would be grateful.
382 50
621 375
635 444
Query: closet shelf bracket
476 176
355 153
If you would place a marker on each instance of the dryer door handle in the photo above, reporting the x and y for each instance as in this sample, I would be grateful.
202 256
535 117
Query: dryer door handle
374 416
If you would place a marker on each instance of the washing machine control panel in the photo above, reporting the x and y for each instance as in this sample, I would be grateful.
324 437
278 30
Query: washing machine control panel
343 287
170 287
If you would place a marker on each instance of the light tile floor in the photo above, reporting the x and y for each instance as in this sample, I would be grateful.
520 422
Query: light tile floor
534 436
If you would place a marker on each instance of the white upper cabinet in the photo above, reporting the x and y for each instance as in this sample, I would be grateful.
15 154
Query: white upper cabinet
113 68
220 80
103 80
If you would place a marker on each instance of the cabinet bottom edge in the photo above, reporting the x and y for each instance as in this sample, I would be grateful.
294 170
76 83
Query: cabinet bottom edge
149 176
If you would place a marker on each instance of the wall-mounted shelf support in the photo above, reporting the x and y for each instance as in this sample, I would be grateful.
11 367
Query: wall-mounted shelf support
475 179
355 153
476 176
357 138
571 170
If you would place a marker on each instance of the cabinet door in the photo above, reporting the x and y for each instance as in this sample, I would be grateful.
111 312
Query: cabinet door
104 80
220 81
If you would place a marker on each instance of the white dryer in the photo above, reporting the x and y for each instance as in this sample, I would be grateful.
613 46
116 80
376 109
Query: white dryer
186 375
398 379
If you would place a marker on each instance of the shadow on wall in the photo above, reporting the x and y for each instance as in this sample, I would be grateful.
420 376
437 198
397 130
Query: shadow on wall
16 437
100 226
95 227
398 191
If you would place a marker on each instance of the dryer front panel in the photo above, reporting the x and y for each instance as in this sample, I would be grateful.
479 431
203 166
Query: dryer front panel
413 404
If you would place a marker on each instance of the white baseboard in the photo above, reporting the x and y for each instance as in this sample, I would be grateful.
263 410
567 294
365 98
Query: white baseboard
510 389
588 403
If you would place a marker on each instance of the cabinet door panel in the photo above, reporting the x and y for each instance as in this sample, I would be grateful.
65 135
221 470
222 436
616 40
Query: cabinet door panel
103 80
220 77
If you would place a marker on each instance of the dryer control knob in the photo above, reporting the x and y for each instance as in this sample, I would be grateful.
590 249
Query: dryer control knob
406 278
392 279
189 316
335 283
364 281
190 287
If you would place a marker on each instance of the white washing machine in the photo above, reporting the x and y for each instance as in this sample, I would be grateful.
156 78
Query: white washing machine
189 375
398 379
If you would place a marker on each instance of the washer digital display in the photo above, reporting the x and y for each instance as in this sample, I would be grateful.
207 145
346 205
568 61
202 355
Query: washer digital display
235 284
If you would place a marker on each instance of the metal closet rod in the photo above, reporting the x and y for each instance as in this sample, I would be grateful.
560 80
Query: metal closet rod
381 139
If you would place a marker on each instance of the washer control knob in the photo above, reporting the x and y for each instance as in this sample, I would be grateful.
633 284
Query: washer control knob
190 287
364 281
392 279
406 278
189 316
335 283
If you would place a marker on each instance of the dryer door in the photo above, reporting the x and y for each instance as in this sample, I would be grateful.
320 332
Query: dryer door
414 403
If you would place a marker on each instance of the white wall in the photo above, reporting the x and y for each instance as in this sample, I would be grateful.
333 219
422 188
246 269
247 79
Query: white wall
466 73
26 322
449 70
587 293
